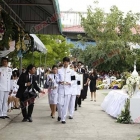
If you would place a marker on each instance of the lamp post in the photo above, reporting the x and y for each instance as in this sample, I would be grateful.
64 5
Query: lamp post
45 60
20 55
134 47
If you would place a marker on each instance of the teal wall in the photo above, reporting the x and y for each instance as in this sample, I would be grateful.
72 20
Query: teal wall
79 44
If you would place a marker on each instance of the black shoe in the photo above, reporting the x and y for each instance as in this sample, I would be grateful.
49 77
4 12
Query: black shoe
51 114
30 119
2 117
53 117
7 117
58 118
79 105
70 117
24 120
75 109
16 108
63 122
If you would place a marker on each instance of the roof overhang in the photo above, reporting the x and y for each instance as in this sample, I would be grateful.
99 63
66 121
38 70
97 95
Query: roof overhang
35 16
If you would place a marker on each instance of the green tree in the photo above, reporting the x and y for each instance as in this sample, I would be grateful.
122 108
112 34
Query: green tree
77 53
111 31
56 46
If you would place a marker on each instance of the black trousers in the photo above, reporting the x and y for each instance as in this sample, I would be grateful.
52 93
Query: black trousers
79 100
27 104
76 102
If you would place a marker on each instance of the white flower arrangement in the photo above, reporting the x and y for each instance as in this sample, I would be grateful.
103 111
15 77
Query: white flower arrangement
131 82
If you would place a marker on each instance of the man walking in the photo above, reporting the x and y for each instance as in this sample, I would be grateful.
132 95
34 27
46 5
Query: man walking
64 89
80 70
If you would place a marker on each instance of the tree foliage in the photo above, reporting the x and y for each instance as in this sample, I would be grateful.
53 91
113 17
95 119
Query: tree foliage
56 46
111 31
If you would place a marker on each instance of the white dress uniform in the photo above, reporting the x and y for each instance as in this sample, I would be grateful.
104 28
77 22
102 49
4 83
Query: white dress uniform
5 88
76 90
53 93
64 91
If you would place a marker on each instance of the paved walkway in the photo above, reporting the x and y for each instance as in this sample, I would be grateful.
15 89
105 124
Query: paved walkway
89 123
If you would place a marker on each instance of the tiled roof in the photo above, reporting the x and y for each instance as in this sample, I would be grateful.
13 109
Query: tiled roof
79 29
137 30
75 29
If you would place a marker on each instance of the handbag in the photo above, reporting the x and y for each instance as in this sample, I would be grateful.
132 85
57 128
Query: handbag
26 93
33 93
46 85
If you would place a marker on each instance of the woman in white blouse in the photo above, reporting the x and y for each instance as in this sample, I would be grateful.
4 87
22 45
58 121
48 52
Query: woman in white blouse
53 90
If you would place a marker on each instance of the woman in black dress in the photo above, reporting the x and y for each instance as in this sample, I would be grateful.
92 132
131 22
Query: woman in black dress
93 77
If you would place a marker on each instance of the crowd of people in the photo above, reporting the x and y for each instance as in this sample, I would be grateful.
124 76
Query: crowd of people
67 85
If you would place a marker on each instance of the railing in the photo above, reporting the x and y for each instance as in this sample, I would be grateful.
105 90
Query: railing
5 7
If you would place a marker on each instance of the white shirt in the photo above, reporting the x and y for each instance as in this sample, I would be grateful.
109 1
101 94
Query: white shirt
76 89
54 78
14 85
38 71
79 70
5 78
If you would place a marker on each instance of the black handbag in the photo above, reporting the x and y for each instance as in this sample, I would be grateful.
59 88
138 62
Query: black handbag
29 91
26 93
33 94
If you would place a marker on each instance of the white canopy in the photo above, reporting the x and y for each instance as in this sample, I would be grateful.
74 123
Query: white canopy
38 45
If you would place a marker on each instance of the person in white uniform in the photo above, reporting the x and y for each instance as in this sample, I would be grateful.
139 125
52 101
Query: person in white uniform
64 89
53 90
13 102
5 87
76 90
15 88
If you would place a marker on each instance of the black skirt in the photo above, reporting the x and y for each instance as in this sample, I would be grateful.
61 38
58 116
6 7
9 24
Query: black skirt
92 87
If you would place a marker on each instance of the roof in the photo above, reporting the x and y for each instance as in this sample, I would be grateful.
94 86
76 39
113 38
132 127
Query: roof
74 29
37 16
136 30
79 29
